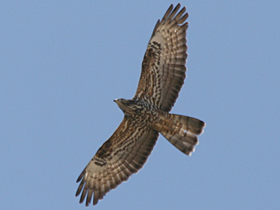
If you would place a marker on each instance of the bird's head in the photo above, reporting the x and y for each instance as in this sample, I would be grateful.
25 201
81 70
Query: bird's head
129 107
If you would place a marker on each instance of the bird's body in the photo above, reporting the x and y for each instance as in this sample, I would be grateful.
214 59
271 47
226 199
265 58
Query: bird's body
167 124
147 113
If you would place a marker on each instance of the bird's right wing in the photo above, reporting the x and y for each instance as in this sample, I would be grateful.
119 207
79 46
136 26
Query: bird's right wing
123 154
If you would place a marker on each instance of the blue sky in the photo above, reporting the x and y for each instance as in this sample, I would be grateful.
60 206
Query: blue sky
63 63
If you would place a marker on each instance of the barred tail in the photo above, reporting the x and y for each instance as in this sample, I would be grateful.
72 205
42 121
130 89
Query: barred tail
181 131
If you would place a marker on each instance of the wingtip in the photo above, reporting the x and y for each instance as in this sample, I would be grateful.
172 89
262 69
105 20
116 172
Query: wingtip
80 177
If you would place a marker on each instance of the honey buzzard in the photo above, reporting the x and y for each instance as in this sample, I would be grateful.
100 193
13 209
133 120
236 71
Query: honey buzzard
147 114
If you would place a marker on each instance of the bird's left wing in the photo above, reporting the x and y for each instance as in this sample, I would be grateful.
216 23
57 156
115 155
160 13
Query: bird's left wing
123 154
163 66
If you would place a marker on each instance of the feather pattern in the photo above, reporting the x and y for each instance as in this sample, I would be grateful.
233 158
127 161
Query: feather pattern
146 115
116 160
163 67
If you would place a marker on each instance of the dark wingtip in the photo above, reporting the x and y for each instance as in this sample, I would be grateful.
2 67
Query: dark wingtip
80 177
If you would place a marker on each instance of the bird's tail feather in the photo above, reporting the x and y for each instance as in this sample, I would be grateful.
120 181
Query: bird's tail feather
181 131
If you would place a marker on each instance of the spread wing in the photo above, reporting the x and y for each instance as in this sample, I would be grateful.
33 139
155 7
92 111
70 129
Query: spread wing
123 154
163 67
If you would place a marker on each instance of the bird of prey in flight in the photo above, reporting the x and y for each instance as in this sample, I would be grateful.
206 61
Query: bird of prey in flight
147 113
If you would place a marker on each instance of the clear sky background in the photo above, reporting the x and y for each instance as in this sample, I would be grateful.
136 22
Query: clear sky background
63 62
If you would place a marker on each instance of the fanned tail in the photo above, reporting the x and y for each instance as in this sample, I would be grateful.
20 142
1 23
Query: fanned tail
181 131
